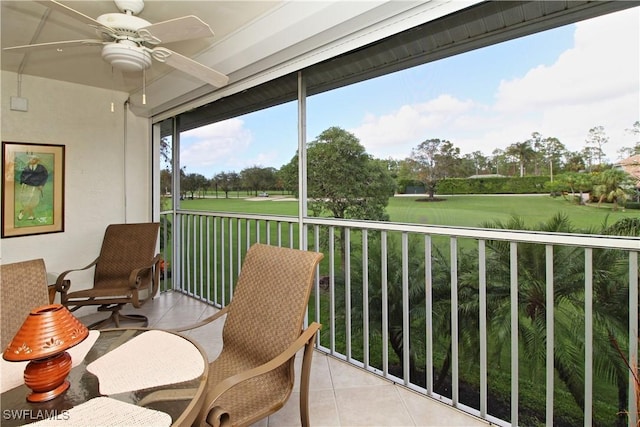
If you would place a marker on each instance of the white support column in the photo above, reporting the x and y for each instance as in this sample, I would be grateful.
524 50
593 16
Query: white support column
302 159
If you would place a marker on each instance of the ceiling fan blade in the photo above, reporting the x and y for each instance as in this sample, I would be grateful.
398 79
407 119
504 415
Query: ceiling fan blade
177 29
189 66
52 45
54 5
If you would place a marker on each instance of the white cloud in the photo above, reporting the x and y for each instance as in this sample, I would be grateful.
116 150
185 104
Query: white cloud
603 64
394 134
205 147
224 146
594 83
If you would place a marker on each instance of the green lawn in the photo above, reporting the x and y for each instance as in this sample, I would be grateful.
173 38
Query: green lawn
469 211
270 206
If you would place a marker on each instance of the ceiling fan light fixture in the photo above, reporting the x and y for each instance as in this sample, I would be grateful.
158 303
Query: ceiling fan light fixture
126 58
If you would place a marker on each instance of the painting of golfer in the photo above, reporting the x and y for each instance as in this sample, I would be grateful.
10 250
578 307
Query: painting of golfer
33 179
33 188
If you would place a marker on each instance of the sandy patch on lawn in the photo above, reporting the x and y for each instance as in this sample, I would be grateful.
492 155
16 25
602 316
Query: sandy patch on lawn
272 198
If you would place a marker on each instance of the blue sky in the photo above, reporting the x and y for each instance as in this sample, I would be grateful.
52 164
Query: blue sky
560 83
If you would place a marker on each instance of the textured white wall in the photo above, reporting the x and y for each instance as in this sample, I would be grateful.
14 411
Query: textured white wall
107 165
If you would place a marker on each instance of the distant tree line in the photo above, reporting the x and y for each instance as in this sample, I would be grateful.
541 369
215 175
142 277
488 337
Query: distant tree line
252 181
431 161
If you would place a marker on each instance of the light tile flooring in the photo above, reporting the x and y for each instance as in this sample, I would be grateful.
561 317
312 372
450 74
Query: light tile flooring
340 394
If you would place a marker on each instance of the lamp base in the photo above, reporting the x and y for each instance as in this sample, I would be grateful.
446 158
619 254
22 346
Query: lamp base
46 377
48 395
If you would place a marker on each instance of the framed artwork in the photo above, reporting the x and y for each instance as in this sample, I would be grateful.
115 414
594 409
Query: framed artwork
32 189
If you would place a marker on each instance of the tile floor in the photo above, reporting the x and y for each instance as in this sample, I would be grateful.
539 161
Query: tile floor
340 394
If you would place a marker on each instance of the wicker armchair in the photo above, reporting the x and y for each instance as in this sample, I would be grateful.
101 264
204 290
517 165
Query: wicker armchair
254 374
23 287
126 272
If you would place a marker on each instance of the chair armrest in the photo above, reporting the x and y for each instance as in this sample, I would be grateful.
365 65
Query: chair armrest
135 277
206 321
62 284
305 337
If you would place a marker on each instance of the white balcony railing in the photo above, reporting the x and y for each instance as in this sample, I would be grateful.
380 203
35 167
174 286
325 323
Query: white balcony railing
459 314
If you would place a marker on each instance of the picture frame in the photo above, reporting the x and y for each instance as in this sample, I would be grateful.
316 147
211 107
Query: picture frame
32 189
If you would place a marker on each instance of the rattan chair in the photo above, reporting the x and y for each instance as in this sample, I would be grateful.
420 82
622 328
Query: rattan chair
253 376
125 272
23 287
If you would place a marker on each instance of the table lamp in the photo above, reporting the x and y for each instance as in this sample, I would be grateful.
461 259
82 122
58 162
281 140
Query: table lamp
43 340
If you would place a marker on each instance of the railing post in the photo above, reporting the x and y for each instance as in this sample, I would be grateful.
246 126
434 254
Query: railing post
588 337
514 332
550 306
633 336
406 344
455 375
482 290
428 289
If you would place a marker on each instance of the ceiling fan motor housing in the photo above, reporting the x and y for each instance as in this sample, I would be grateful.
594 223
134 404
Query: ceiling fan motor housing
125 25
126 57
126 51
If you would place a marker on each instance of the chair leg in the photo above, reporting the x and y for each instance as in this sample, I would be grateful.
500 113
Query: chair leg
102 323
304 381
116 316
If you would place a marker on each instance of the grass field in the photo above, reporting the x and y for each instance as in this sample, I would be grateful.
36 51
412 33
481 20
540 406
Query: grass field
466 211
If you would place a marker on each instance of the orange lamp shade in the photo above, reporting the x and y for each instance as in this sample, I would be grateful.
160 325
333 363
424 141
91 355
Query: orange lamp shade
43 339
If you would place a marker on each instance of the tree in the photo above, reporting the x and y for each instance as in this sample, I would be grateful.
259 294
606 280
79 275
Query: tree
575 182
166 181
224 182
610 290
165 150
236 182
635 149
544 151
537 144
392 166
596 139
553 150
194 182
434 160
407 171
522 152
257 178
441 270
611 186
288 175
575 162
498 161
480 162
343 180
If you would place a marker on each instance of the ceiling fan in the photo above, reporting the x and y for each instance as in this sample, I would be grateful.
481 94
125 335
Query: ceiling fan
130 43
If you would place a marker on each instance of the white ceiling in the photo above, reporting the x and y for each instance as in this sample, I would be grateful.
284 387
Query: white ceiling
252 38
84 65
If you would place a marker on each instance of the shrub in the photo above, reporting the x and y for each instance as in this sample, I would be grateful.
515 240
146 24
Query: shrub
493 185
